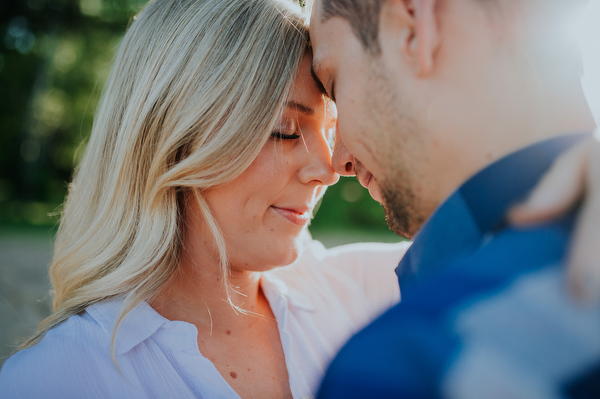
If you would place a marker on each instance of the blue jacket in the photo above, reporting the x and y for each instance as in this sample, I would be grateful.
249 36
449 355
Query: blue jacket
484 310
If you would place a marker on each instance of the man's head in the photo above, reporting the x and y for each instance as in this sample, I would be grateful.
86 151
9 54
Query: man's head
430 91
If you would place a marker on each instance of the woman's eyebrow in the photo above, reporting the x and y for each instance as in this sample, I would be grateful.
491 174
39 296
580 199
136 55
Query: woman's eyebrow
302 108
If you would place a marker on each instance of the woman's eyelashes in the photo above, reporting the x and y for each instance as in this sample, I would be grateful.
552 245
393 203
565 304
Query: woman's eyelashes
286 129
284 136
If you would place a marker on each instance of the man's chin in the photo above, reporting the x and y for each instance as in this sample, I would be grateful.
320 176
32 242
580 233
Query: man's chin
401 214
397 224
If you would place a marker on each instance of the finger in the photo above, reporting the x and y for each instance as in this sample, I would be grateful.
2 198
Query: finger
558 190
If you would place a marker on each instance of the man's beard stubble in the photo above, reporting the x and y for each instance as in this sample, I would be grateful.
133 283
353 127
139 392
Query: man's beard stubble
400 213
405 210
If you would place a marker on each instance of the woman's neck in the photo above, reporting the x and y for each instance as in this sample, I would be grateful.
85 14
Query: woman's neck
196 294
245 347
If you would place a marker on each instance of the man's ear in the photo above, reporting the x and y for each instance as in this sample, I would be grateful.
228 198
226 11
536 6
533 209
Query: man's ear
414 25
427 35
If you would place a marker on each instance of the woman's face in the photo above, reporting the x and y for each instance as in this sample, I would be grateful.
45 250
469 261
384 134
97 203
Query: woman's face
263 211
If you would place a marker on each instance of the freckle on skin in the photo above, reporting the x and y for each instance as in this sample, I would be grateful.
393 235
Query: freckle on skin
228 332
248 369
233 374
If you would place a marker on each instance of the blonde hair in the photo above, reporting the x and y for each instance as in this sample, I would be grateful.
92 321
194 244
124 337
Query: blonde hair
194 91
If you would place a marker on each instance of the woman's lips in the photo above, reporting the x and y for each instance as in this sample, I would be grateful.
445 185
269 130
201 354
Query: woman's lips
297 216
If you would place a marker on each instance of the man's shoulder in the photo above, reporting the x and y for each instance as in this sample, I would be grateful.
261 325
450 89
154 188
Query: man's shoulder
398 355
501 260
498 316
520 250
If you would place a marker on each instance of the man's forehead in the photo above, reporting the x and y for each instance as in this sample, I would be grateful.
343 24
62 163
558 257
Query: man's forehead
317 60
315 11
316 38
316 71
322 35
314 22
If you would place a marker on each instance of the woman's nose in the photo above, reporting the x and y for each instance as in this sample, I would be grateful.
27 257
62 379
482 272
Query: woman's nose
317 161
342 160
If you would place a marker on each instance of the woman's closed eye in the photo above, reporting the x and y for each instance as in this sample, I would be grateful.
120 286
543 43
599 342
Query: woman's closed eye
284 136
286 129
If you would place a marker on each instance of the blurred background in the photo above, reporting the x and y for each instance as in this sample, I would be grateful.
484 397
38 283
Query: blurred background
54 57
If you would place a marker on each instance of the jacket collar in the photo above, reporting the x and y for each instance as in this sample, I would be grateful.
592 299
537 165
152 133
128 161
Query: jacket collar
475 211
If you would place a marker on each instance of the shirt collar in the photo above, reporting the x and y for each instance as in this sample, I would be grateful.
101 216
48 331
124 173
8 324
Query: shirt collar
313 252
140 324
274 287
143 321
477 209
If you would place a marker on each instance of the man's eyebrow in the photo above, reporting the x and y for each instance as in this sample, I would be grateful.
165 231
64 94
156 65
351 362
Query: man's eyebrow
302 108
317 81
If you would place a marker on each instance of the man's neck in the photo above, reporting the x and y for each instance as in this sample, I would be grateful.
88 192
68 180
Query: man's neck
544 111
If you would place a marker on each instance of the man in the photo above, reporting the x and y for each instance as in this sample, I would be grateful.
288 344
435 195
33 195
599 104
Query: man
449 112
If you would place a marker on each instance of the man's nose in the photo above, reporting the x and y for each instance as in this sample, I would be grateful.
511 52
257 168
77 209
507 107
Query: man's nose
342 160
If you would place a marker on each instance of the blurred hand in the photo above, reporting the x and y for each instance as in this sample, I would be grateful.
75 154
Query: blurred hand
574 176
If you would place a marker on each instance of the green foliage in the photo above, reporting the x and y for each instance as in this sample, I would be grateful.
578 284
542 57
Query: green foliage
54 56
347 207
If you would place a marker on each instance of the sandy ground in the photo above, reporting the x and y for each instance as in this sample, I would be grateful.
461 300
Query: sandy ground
24 286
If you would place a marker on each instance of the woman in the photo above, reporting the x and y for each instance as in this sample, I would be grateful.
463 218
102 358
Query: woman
208 153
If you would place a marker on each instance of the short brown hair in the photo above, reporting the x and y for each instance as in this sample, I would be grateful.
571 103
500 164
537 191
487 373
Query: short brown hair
363 17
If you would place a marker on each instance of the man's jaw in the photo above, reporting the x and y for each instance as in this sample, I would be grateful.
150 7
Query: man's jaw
395 213
397 201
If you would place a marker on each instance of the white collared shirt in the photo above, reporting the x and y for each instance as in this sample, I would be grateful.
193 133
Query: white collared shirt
319 302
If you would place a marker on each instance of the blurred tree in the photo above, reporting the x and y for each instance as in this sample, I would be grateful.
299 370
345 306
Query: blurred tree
54 55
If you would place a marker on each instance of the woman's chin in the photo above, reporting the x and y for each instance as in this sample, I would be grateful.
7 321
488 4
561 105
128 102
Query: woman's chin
261 258
284 257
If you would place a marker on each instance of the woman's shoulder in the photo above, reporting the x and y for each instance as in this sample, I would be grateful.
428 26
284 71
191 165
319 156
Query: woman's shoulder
78 334
64 363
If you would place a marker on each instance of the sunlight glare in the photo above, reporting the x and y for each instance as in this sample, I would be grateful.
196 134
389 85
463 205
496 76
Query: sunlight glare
590 46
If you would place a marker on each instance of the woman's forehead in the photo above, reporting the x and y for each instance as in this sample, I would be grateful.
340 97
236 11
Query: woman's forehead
305 94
